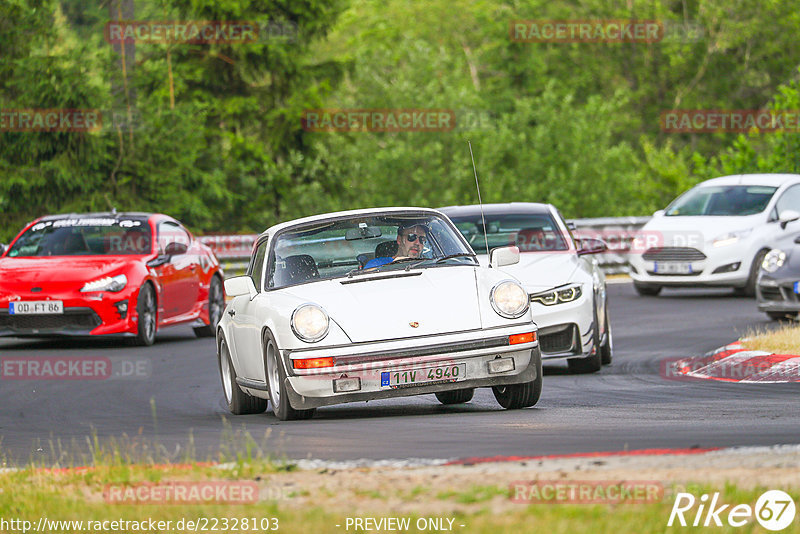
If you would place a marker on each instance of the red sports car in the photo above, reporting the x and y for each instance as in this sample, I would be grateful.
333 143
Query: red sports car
125 274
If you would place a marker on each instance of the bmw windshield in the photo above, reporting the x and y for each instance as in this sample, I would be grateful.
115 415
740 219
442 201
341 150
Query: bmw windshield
722 200
530 232
362 245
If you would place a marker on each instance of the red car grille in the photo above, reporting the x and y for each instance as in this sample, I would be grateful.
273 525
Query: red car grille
73 319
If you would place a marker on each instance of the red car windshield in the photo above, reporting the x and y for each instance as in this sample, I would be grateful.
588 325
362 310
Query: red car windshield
84 237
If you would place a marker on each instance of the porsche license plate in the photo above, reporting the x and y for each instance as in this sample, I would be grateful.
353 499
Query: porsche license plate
36 307
426 375
672 268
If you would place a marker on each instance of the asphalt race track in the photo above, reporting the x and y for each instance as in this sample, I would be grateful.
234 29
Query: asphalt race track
178 407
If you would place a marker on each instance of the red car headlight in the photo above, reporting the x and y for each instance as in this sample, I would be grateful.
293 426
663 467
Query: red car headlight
112 284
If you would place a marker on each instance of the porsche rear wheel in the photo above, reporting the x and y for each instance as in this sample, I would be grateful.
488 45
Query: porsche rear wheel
516 396
457 396
147 316
216 303
238 402
275 382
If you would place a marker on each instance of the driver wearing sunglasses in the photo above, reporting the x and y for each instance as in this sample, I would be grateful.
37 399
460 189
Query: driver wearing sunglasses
410 242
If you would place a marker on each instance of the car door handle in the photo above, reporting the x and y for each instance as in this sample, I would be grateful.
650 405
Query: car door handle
231 312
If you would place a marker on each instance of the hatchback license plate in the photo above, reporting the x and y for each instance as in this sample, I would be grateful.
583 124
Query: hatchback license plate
673 268
427 375
36 307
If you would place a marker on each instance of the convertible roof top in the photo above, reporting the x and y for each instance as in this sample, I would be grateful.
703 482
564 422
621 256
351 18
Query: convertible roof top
535 208
349 213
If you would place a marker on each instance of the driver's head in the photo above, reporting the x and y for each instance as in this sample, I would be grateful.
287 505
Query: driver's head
411 240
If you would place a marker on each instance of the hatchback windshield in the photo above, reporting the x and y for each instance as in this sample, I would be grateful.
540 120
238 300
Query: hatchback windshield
530 232
361 245
84 237
722 200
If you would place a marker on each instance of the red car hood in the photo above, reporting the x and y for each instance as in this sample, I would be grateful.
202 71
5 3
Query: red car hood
21 274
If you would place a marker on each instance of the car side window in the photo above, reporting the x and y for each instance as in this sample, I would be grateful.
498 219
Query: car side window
790 200
257 265
170 232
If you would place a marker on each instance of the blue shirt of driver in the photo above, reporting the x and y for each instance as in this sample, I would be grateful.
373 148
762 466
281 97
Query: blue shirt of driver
377 262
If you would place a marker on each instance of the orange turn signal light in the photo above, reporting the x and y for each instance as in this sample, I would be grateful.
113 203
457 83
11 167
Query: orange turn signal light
312 363
516 339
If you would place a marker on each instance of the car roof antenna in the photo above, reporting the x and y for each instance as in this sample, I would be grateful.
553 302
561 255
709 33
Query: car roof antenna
480 202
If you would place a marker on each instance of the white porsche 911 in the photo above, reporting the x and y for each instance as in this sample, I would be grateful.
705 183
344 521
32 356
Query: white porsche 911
372 304
567 290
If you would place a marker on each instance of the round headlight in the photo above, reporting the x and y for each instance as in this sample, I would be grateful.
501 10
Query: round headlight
774 260
310 323
509 299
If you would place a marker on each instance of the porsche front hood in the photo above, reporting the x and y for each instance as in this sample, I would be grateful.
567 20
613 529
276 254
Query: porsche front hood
399 304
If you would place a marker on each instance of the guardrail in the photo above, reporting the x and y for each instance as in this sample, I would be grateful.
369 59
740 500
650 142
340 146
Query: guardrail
233 251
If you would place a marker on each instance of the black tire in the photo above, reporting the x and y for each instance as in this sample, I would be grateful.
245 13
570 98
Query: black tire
456 396
146 316
749 290
592 363
238 402
516 396
216 303
275 376
607 348
647 290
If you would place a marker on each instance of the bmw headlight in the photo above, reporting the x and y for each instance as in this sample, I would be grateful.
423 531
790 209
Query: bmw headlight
559 295
730 238
112 284
774 260
310 323
509 300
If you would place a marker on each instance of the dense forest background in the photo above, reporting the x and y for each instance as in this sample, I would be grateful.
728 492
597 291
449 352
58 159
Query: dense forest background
212 133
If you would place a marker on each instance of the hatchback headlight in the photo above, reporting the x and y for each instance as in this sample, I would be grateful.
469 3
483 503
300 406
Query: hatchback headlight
559 295
112 284
310 323
509 300
774 260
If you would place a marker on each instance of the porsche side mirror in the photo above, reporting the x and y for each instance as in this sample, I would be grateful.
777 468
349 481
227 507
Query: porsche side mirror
500 257
176 249
591 245
788 216
240 285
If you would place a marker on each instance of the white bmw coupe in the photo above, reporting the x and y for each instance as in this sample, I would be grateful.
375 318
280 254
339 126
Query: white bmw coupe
372 304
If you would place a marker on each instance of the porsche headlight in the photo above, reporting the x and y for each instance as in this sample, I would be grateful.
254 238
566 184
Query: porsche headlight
559 295
112 284
310 323
774 260
509 300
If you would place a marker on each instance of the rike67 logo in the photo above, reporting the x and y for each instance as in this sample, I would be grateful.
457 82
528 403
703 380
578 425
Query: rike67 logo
774 510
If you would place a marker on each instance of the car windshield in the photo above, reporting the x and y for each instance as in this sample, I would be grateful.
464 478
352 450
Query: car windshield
366 244
530 232
722 200
84 237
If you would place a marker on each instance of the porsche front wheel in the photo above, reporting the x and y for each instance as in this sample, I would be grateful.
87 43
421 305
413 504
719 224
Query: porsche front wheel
275 382
238 401
515 396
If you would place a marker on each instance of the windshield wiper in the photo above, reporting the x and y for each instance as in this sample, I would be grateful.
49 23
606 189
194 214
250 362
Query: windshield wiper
378 268
459 255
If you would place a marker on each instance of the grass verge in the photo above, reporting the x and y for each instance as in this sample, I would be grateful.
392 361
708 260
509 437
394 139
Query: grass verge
784 340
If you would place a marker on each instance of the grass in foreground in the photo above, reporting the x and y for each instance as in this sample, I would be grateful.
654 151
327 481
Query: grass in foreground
32 493
784 340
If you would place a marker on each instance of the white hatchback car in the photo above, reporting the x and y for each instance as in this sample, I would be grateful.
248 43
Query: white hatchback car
716 234
372 304
567 290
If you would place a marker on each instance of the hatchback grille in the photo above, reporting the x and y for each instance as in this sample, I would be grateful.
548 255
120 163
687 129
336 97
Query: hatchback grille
673 254
73 319
557 341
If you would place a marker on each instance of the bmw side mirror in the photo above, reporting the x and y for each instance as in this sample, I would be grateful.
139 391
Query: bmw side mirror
591 245
503 256
240 285
788 216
